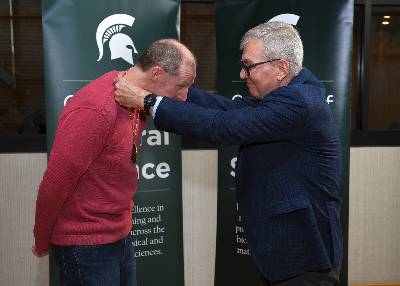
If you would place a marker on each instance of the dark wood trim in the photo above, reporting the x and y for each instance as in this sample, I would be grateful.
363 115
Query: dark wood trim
375 138
385 2
16 18
23 144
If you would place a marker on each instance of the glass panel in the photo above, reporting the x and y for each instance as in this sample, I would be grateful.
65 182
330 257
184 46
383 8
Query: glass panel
4 8
29 92
28 48
384 69
32 8
21 96
356 61
5 45
198 33
9 116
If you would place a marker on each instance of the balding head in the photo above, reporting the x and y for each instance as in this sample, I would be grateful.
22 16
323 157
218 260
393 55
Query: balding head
169 54
166 68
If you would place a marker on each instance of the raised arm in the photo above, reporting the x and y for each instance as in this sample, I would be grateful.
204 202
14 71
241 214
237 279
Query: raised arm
275 118
206 99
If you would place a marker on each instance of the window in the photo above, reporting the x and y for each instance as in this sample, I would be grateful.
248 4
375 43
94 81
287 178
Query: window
198 33
22 112
376 74
376 71
384 77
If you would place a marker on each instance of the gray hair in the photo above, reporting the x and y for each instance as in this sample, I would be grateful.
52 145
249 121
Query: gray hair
164 53
280 41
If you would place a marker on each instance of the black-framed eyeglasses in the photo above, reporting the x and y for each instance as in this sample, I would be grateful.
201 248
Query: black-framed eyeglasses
247 68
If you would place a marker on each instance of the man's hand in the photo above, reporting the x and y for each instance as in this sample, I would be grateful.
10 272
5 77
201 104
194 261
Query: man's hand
38 254
129 95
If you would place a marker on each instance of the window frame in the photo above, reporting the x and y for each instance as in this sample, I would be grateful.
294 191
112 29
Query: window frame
362 136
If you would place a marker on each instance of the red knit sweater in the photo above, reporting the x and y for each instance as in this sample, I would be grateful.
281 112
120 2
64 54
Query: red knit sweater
85 196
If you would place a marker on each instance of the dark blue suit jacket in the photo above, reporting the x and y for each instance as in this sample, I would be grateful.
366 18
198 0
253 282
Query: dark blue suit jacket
287 170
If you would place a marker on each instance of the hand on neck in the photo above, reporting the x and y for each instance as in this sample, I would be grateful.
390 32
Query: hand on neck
137 77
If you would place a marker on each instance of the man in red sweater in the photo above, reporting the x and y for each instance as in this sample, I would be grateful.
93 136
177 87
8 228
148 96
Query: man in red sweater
84 203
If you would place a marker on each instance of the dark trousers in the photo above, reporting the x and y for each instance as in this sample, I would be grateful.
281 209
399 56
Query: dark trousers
97 265
328 277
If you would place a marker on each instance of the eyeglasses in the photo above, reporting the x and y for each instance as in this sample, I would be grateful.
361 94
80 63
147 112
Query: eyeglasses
247 68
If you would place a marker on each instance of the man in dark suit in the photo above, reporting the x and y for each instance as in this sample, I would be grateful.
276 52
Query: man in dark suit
289 161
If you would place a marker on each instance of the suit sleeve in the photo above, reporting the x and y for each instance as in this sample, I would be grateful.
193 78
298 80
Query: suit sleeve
79 139
214 101
275 118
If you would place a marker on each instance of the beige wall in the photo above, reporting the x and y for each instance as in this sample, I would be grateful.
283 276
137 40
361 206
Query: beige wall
20 175
199 187
374 215
374 242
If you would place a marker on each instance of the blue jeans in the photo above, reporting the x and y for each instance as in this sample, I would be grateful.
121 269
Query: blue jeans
97 265
328 277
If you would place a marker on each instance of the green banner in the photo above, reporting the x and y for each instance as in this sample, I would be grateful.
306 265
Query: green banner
327 40
83 40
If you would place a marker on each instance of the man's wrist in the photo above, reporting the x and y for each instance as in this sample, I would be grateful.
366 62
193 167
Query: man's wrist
148 102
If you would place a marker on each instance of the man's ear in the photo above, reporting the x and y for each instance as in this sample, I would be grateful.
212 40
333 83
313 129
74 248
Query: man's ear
156 72
283 69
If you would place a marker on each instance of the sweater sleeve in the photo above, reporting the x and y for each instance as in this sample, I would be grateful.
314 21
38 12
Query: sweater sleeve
79 139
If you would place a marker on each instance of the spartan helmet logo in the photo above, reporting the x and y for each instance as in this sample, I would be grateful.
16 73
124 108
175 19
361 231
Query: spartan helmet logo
121 45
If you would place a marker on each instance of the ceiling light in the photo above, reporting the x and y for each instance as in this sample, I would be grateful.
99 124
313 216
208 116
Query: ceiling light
385 23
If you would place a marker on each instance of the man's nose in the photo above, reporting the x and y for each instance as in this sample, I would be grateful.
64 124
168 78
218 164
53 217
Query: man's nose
243 74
